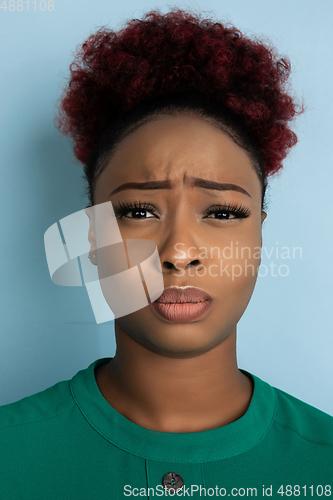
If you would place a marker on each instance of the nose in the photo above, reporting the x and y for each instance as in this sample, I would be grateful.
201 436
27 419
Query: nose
179 253
167 265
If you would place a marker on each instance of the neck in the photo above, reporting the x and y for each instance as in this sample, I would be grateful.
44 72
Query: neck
175 394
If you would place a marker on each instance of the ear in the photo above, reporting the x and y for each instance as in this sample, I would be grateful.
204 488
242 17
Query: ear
91 234
263 217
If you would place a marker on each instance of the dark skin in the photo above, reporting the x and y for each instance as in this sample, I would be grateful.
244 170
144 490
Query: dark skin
183 377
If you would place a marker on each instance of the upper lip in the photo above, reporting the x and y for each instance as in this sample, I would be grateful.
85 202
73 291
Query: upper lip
178 295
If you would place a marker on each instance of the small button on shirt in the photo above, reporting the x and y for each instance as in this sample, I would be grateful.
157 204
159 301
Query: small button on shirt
172 482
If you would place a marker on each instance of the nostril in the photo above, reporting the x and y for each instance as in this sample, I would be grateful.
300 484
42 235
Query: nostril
193 263
168 265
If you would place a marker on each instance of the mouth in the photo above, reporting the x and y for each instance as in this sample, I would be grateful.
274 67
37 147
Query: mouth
182 295
182 305
183 312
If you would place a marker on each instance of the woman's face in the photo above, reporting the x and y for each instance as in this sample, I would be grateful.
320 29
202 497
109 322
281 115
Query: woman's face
224 247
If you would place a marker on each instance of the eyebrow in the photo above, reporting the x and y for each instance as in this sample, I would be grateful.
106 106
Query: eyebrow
195 181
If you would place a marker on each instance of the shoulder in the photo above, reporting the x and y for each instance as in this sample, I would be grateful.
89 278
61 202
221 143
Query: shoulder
303 420
43 405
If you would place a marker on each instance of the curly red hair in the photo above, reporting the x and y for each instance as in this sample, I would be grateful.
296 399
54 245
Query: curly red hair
163 53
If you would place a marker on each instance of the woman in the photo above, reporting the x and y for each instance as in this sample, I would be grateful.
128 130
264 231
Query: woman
179 122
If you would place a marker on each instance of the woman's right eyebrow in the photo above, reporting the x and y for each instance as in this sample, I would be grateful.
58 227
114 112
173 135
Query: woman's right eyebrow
195 182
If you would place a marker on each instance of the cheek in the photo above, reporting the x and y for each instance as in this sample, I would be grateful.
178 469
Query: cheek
245 265
236 264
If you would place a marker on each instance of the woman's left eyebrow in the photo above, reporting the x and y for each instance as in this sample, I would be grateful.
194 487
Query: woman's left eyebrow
195 182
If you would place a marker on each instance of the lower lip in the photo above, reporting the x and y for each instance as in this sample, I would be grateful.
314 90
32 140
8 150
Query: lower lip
181 313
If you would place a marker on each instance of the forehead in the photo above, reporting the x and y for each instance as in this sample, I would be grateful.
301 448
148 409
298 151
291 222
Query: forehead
175 147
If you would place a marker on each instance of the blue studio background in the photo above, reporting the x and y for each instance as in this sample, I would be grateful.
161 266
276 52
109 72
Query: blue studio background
48 332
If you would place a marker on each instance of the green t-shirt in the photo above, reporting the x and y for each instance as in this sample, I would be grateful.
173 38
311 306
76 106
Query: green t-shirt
67 442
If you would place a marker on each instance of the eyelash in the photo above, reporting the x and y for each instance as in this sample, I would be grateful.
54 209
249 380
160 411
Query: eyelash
239 211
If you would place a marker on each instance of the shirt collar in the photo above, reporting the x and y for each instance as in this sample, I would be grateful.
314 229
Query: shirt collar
205 446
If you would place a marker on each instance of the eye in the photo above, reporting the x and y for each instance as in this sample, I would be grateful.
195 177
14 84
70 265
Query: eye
228 212
138 209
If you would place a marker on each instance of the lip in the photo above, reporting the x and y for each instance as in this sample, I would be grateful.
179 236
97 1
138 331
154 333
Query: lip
180 295
182 304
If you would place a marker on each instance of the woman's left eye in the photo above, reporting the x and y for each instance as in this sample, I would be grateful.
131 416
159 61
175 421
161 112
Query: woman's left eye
222 214
228 212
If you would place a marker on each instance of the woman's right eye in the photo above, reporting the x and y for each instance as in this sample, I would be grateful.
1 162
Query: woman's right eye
139 214
139 209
